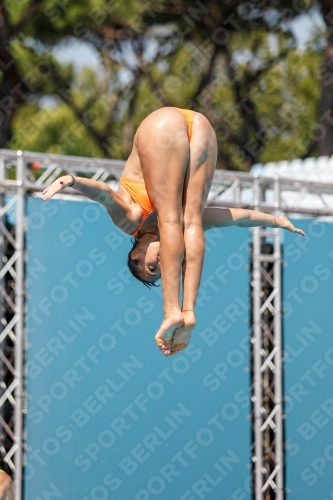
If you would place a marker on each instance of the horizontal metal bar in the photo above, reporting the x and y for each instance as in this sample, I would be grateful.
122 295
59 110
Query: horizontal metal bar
8 153
63 159
267 258
314 189
267 234
219 175
33 188
270 208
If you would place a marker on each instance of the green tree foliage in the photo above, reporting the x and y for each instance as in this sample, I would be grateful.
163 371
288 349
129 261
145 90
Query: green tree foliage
238 65
54 130
29 31
287 100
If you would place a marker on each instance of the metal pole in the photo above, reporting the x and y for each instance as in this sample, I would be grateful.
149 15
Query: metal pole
19 329
2 280
279 435
258 458
278 369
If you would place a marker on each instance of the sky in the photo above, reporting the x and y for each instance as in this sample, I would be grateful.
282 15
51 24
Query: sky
304 26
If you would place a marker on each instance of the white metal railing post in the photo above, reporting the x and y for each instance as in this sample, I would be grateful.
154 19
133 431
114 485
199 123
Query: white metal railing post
279 434
2 280
19 328
256 341
268 456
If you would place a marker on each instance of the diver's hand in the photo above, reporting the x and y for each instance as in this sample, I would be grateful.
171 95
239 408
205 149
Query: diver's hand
56 186
283 222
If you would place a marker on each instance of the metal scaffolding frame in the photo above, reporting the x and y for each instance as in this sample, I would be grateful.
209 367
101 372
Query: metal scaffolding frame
25 173
267 373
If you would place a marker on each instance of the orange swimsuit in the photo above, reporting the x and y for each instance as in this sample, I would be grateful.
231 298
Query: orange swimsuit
138 191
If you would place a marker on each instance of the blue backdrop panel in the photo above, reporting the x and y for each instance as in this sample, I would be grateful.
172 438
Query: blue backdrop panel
308 302
109 415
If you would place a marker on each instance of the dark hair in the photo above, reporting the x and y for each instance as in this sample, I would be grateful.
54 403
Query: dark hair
134 268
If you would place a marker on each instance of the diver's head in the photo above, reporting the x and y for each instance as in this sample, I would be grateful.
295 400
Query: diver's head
144 259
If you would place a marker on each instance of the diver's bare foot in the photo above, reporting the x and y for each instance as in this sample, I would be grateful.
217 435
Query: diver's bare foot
164 335
182 335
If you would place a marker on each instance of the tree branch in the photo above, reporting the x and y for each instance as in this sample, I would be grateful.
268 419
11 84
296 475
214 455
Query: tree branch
252 77
327 6
311 147
206 77
217 123
128 133
250 147
157 90
224 159
99 91
110 120
4 26
79 114
27 14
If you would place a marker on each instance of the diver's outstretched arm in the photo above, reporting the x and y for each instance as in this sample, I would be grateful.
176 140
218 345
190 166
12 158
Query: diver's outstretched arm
224 217
119 211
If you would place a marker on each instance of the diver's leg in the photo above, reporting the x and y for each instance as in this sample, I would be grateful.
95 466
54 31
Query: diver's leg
200 171
163 150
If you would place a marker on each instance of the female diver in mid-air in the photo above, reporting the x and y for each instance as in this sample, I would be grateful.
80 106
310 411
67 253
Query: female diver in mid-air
173 159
